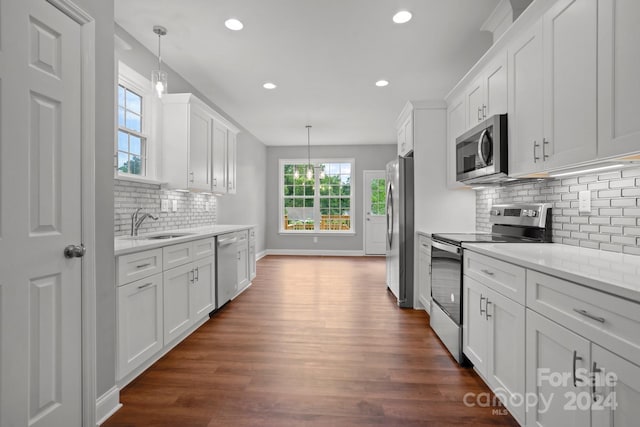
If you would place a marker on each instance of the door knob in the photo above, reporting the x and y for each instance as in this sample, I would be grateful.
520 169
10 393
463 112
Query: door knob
74 251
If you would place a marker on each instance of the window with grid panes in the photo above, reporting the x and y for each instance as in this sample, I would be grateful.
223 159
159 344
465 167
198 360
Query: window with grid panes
378 197
131 139
321 203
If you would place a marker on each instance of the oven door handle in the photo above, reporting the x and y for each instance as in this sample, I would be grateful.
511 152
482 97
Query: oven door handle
447 248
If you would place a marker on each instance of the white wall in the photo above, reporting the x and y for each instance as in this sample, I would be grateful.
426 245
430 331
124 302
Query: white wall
367 157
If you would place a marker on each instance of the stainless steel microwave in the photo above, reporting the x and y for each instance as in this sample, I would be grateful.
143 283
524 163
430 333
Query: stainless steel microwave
481 152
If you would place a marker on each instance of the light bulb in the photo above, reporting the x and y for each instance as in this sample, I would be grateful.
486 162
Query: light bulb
309 173
159 89
296 174
322 175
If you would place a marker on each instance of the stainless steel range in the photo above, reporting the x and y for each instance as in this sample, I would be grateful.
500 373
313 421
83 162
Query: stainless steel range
514 223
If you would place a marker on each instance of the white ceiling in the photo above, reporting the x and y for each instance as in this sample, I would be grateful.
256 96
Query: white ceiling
324 55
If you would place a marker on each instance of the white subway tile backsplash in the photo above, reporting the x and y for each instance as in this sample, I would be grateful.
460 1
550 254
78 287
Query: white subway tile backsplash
612 225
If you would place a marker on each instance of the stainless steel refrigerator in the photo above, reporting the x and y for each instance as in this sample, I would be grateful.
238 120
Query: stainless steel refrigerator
400 230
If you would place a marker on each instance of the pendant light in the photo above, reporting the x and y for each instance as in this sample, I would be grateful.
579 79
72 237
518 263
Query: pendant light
159 77
309 165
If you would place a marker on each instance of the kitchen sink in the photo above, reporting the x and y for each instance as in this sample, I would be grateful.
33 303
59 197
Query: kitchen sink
161 236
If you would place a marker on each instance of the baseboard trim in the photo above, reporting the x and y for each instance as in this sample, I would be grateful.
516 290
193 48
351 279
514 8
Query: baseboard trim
261 255
319 252
107 405
425 303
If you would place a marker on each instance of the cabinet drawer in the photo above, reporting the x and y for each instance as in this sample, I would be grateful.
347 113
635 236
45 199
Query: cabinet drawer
424 244
610 321
204 248
504 278
138 265
176 255
243 236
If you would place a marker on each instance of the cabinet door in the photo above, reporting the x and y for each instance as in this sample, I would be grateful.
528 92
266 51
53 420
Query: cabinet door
402 142
200 138
139 322
475 101
475 326
526 102
456 117
243 266
552 354
570 122
177 285
252 260
505 355
424 272
618 71
203 291
408 135
623 392
219 160
495 87
232 158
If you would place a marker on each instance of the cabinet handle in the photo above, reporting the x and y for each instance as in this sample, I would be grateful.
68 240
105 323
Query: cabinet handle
486 310
535 145
481 310
545 156
484 111
575 359
197 274
143 265
146 285
488 273
193 276
479 114
595 371
215 182
585 313
192 176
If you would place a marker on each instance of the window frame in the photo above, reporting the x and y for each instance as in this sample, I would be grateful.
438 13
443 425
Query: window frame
317 197
136 83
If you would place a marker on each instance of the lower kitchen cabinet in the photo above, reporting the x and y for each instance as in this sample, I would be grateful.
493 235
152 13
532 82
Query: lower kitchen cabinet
493 341
243 261
424 272
556 360
252 254
140 315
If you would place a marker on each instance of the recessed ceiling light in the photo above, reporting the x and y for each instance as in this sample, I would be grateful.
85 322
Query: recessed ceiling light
402 17
233 24
269 85
382 83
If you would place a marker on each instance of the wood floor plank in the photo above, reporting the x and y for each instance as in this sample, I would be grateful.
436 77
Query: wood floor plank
315 341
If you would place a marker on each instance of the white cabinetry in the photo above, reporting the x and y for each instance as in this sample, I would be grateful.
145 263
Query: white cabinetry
404 126
189 289
487 95
618 71
139 322
243 261
186 134
456 126
252 254
199 146
493 338
424 272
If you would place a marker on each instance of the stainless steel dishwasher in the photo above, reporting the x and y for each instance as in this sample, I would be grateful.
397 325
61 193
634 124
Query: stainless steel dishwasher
227 267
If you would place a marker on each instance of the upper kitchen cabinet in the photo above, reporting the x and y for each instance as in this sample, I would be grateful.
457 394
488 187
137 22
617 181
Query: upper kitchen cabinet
187 132
570 30
232 151
195 145
404 126
487 95
618 71
525 119
456 126
552 96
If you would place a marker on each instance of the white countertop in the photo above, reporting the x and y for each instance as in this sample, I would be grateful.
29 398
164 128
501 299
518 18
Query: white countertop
126 245
614 273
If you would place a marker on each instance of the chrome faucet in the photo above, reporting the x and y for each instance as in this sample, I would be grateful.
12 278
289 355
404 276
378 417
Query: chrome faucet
136 221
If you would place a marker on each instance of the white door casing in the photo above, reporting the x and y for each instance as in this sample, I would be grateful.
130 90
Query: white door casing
374 223
42 87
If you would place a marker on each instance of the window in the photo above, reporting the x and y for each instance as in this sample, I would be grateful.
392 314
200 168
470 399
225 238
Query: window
131 141
133 146
320 204
378 196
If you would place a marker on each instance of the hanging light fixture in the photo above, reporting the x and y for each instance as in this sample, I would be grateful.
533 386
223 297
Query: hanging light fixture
309 165
159 77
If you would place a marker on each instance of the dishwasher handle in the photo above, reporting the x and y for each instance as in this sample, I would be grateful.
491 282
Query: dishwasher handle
227 242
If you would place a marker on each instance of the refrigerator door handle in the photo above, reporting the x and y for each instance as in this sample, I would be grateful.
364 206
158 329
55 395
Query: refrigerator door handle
389 214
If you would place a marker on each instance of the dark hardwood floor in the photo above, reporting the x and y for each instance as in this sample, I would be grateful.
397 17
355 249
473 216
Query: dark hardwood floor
315 341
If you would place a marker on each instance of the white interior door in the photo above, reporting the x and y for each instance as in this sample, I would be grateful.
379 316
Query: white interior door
40 214
375 220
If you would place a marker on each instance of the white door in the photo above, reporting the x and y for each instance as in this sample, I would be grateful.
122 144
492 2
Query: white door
375 220
177 284
200 138
219 162
203 291
40 214
476 329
